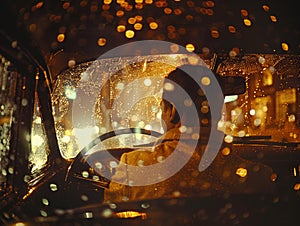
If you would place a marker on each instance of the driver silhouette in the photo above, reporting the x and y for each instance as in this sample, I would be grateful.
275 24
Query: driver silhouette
227 173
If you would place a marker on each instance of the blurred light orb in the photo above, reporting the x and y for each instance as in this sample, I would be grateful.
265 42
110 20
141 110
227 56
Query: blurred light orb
129 34
190 47
101 42
284 46
247 22
242 172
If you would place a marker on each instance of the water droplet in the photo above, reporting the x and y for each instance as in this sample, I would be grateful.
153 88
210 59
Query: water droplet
85 174
145 205
113 205
88 215
107 213
84 198
45 201
53 187
43 213
113 164
226 151
228 139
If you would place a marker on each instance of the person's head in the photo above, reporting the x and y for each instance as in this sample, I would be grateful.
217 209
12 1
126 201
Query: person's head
182 92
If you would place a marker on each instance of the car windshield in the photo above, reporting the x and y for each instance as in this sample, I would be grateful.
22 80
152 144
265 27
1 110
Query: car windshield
120 94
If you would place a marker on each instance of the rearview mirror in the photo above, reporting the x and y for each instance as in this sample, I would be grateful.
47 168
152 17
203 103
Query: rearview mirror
232 85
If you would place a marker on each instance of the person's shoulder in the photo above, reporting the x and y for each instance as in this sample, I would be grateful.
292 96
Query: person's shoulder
148 156
137 157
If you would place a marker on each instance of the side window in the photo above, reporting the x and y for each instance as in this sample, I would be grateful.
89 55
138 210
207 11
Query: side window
38 155
270 105
8 82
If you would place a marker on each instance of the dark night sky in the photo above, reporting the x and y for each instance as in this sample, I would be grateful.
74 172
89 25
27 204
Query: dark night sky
263 36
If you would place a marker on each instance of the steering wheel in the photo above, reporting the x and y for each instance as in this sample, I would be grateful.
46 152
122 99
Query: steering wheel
86 163
118 132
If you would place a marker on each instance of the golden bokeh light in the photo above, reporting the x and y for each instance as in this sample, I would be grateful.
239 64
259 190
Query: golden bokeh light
214 33
209 12
210 4
231 29
138 18
273 18
160 4
189 18
244 13
284 46
106 7
101 42
20 224
193 60
121 28
247 22
39 5
139 6
32 27
129 34
83 3
167 11
235 51
138 26
274 177
204 121
190 47
171 28
174 48
228 139
226 151
128 7
297 187
205 81
131 20
242 172
177 12
153 25
266 8
131 214
66 5
120 13
60 37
